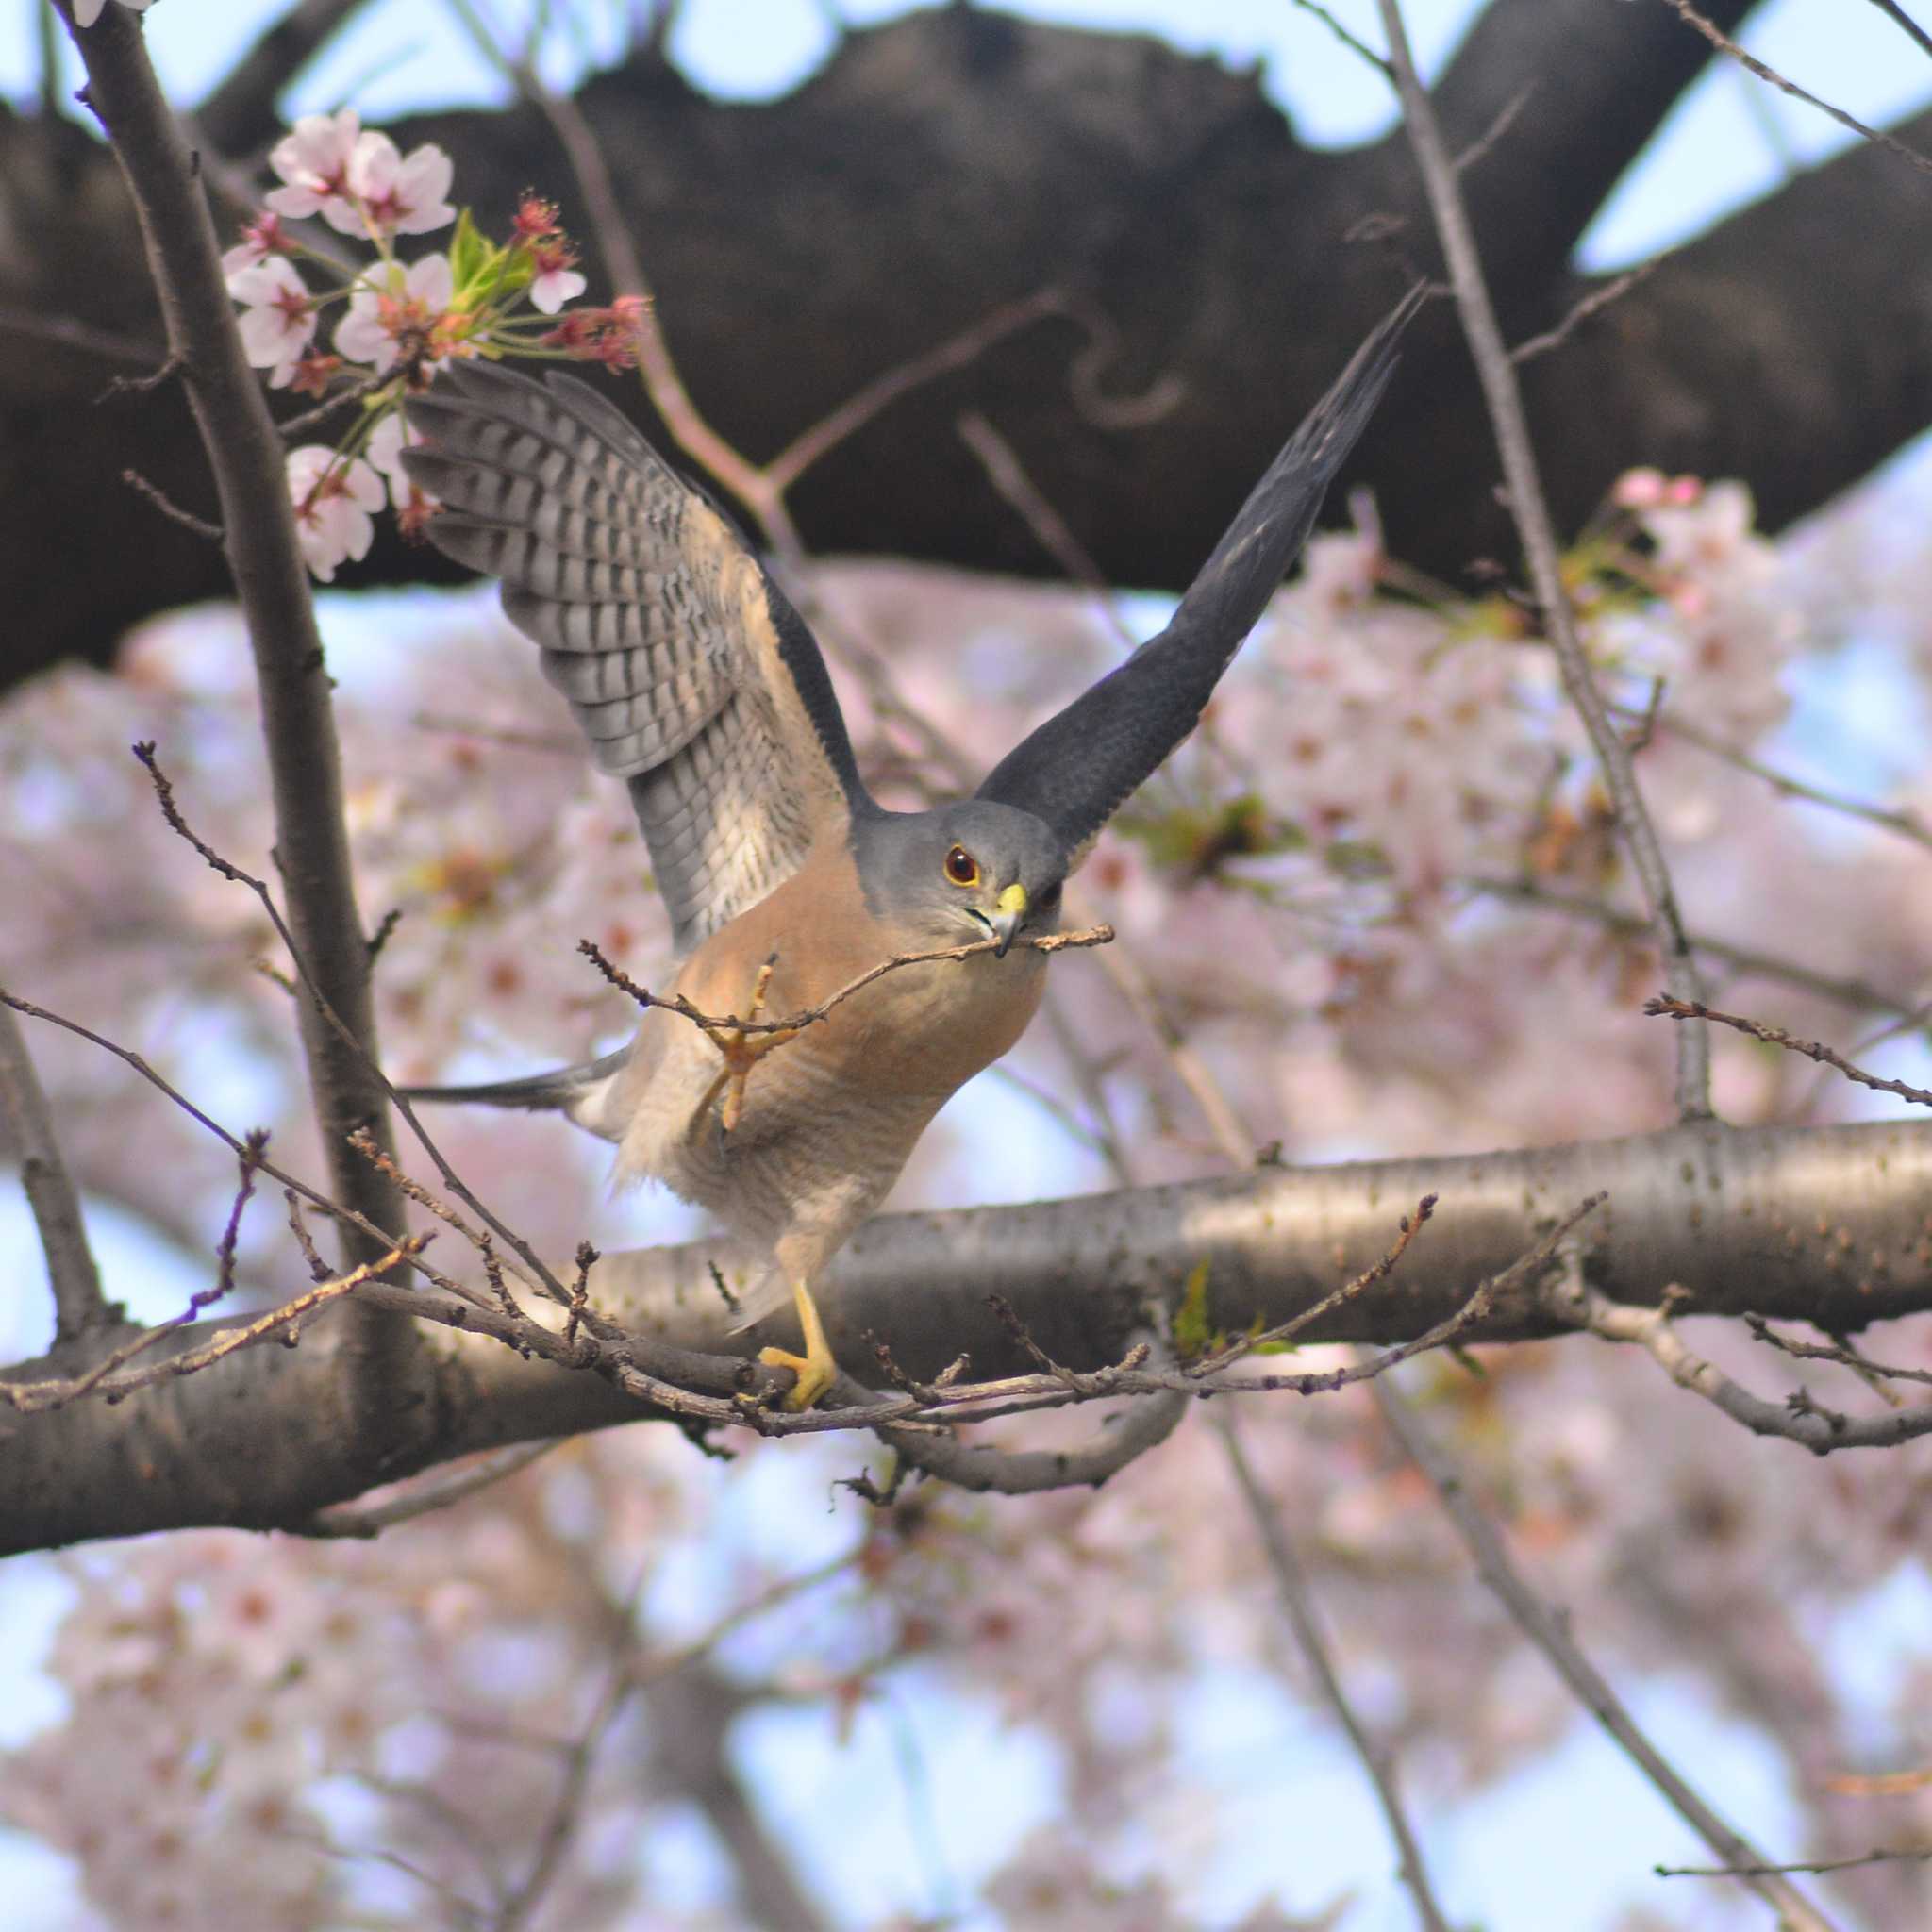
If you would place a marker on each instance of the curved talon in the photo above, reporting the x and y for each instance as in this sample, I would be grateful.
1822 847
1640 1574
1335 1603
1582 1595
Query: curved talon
816 1368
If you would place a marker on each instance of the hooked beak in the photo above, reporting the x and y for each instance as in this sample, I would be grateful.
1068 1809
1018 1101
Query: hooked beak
1008 918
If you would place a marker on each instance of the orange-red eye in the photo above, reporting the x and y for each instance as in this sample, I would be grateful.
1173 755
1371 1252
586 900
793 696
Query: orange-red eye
961 867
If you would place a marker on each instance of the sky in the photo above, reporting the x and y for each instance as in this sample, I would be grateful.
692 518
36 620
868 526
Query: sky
1730 139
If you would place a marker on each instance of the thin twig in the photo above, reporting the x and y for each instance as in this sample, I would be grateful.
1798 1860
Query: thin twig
1915 1856
199 527
1548 1629
1007 476
1298 1603
1838 1352
1907 823
808 1016
1580 312
1858 994
109 345
439 1490
1893 11
1797 1419
1480 148
1410 1226
1725 44
1661 1007
1530 510
72 1272
109 1378
956 352
1342 34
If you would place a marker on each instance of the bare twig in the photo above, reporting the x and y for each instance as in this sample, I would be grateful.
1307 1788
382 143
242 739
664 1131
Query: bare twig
1298 1603
66 330
110 1380
1893 11
78 1302
1580 312
1725 44
1663 1008
198 526
1858 994
1797 1419
808 1016
1548 1629
1007 476
1914 1856
439 1490
1839 1352
1530 512
1348 39
1907 823
1484 144
1410 1226
958 352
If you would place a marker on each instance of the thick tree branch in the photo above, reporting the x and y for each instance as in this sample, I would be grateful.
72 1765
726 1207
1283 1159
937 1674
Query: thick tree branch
1827 1225
1614 70
1118 171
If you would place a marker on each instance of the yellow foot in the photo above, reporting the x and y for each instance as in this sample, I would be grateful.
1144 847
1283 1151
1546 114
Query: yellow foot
815 1369
744 1051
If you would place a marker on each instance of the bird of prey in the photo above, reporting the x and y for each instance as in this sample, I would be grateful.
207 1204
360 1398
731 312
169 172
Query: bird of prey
699 685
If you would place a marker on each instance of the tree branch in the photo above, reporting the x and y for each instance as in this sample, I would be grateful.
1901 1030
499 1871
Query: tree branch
1824 1225
1530 510
78 1302
1548 1629
245 455
1299 1607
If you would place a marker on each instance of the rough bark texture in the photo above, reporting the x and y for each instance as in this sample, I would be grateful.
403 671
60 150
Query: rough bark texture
954 161
1828 1225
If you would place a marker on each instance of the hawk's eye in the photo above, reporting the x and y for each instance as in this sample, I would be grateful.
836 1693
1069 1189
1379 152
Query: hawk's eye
1047 900
961 867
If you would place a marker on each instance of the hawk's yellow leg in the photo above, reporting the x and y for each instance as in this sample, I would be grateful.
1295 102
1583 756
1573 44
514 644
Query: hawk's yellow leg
815 1369
742 1051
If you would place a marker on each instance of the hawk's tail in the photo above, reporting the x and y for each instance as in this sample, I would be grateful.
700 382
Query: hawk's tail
584 1094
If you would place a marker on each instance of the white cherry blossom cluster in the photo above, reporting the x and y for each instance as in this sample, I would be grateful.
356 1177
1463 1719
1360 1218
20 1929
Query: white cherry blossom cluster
398 323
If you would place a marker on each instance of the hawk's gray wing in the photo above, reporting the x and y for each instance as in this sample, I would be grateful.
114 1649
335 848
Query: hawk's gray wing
691 674
1079 767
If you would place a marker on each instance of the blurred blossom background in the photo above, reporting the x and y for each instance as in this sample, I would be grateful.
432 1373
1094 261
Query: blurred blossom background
1075 1711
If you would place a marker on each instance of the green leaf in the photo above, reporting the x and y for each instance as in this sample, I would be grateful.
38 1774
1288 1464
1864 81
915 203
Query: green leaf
1193 1334
471 254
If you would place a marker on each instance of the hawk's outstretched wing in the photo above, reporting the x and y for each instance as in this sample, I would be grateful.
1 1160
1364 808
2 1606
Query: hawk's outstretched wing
691 674
1079 767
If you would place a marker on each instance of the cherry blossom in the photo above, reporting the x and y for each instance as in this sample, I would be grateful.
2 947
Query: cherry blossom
557 281
262 237
399 196
313 160
278 316
333 503
405 318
